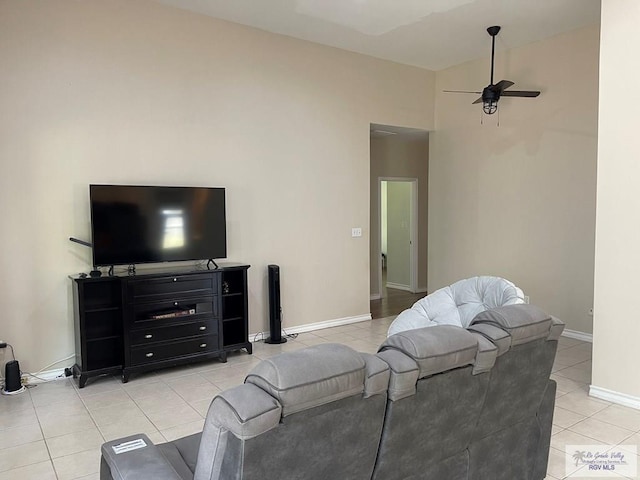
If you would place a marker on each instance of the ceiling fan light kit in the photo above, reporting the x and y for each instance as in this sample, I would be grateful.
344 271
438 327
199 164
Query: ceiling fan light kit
492 92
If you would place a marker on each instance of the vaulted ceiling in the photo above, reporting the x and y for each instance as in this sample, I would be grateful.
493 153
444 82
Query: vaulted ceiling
432 34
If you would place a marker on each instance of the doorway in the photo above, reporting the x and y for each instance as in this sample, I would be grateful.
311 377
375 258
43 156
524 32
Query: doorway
400 157
398 214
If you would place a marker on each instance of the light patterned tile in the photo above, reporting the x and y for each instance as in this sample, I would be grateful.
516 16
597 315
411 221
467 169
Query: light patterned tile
43 394
204 391
633 440
336 337
126 427
566 385
148 389
230 383
17 419
37 471
11 404
74 442
566 342
565 418
621 416
559 441
201 406
161 402
106 399
78 465
56 426
116 412
183 430
12 437
100 385
312 340
22 455
556 467
602 432
576 374
173 416
73 406
579 402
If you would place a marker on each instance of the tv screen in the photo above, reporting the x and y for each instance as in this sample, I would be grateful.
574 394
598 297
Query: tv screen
143 224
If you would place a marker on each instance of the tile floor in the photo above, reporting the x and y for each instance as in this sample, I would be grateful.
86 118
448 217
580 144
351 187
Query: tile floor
54 430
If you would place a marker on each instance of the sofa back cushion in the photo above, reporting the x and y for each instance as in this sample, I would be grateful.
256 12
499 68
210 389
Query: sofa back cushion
311 377
313 413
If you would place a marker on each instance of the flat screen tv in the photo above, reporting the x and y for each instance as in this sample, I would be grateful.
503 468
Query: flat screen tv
133 224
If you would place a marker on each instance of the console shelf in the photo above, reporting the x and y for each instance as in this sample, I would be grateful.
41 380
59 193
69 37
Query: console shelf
134 323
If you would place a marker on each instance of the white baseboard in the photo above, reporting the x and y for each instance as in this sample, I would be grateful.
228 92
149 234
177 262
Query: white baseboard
45 376
375 296
614 397
585 337
310 327
399 286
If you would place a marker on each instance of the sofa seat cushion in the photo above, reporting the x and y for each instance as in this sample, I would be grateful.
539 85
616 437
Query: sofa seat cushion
311 377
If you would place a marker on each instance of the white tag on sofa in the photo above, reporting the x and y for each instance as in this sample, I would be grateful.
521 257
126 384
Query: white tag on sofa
128 446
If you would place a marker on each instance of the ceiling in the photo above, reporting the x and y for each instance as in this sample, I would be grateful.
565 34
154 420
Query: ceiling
432 34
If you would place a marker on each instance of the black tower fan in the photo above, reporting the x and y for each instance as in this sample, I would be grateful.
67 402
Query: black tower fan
275 310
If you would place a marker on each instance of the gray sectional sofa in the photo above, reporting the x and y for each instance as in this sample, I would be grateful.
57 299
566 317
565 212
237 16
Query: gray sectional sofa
441 403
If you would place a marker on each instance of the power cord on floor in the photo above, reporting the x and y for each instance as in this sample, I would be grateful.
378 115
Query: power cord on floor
283 331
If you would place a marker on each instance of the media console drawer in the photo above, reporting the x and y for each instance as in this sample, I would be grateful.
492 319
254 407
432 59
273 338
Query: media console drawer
173 350
173 332
173 310
178 285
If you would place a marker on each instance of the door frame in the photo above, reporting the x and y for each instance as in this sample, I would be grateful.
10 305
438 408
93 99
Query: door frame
413 232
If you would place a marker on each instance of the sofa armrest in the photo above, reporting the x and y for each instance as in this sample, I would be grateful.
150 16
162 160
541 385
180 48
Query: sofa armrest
146 461
404 374
557 327
376 379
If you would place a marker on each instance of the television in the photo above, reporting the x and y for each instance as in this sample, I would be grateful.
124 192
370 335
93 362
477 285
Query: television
133 224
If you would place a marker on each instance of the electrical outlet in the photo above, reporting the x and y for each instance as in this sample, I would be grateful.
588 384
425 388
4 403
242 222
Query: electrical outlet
526 299
356 232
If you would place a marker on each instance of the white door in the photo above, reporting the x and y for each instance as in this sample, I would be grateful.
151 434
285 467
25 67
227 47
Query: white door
398 216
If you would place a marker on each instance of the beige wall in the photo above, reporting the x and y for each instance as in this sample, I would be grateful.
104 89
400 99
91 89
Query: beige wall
135 92
617 260
518 200
407 157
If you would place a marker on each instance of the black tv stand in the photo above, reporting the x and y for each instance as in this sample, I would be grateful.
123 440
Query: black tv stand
211 260
159 318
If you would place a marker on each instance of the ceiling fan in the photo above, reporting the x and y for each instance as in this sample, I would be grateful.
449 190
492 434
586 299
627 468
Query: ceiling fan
492 92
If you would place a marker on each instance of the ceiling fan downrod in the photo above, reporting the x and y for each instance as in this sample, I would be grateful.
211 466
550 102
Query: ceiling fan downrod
493 31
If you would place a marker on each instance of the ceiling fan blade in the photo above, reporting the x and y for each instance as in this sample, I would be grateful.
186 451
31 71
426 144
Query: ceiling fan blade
461 91
521 93
477 101
502 85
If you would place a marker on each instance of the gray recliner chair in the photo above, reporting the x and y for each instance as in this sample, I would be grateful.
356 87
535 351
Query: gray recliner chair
472 404
311 414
